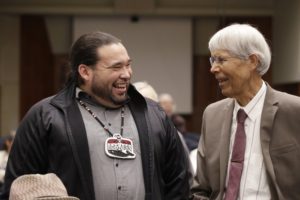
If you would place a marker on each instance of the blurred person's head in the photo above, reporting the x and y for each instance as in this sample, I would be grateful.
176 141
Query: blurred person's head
179 123
146 90
167 103
7 141
39 186
240 55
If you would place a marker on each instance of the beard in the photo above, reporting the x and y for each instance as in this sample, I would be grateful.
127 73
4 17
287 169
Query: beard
107 94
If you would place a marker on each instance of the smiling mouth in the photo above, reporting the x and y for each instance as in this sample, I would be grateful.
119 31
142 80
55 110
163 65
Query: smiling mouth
121 88
222 81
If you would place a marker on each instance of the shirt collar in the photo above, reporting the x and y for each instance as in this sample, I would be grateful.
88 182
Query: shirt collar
251 105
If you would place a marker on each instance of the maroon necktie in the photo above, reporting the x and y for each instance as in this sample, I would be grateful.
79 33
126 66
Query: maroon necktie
237 158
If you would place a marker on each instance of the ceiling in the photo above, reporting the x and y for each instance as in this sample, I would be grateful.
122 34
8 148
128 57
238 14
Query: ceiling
141 7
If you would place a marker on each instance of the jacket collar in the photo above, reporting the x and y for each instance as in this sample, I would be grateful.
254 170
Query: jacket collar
225 133
267 120
65 97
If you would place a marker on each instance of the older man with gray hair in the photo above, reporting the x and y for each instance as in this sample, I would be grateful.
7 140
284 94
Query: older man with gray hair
249 141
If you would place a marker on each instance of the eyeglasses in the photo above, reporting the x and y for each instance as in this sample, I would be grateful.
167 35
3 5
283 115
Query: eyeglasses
218 59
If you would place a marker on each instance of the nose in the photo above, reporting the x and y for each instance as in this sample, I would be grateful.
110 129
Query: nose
214 68
126 72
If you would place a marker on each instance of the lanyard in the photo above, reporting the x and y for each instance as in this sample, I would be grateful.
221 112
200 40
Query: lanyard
99 121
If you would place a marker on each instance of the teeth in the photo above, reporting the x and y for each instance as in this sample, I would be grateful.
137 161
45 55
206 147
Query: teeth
121 86
221 80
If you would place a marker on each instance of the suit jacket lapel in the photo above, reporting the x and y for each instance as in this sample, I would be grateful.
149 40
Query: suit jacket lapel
269 110
225 141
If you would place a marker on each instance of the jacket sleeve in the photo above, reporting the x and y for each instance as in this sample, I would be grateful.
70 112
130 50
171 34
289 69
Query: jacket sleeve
201 188
28 152
176 167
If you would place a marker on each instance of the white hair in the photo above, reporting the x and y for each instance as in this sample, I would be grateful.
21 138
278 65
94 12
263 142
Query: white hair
243 40
166 98
146 90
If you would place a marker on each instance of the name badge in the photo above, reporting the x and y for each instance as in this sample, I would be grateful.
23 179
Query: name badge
119 147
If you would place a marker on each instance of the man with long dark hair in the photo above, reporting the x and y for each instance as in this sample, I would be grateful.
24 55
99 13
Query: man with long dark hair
102 138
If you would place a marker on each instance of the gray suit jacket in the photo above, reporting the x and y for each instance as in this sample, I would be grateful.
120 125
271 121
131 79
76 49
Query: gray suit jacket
280 141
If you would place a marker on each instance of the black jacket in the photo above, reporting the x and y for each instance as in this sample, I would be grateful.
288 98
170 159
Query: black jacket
52 138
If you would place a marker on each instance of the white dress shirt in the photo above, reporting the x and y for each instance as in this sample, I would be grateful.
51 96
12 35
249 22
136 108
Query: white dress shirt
254 183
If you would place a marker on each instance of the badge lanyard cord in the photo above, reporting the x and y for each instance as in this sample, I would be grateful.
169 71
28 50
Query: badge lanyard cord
99 121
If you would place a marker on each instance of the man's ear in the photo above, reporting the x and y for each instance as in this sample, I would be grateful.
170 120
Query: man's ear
254 61
84 71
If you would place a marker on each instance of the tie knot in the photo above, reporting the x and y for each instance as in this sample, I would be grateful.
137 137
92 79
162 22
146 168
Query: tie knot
241 116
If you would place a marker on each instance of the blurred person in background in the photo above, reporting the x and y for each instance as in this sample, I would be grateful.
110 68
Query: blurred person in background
148 91
191 139
167 102
7 141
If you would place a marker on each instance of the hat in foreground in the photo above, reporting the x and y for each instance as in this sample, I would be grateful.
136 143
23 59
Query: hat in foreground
38 186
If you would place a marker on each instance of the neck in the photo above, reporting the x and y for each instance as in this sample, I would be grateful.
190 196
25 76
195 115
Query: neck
96 99
248 95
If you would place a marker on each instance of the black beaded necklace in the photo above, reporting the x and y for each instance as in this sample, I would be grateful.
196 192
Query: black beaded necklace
115 146
99 121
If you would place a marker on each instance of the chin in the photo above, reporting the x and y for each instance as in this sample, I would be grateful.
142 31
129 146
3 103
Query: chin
120 100
226 93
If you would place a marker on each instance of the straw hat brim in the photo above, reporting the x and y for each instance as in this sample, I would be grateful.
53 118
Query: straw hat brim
57 198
